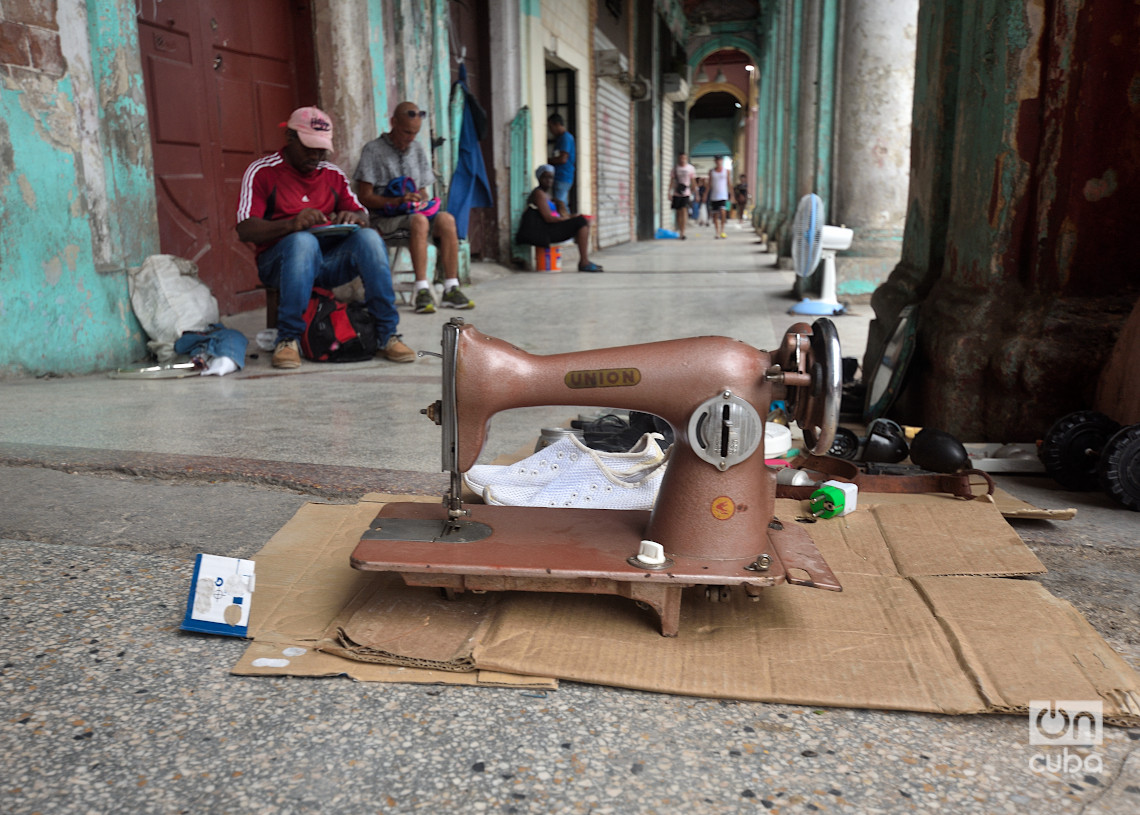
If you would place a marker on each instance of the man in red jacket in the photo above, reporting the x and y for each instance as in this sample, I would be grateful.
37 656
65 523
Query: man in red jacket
287 201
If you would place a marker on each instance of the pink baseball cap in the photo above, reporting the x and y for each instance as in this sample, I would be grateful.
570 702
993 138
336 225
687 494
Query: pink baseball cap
314 127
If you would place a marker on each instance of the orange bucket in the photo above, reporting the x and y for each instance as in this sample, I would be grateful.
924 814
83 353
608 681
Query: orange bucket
548 259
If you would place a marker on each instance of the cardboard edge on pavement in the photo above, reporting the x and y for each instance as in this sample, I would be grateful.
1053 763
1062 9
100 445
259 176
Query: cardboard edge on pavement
305 583
930 619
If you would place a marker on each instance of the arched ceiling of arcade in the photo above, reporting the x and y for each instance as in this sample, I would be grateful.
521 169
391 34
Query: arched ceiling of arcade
716 100
715 25
720 11
721 84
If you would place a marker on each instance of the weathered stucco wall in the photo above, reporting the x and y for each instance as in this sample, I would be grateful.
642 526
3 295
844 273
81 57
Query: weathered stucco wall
343 38
76 194
1024 184
562 34
371 57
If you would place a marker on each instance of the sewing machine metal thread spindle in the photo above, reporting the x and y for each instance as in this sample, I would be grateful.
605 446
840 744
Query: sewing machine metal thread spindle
453 501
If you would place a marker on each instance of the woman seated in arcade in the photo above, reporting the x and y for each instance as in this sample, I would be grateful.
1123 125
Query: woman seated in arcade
541 225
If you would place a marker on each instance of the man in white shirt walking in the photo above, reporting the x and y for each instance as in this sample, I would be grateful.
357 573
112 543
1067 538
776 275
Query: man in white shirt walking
718 197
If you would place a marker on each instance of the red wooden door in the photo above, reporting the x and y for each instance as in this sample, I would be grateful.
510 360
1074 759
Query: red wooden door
220 77
470 21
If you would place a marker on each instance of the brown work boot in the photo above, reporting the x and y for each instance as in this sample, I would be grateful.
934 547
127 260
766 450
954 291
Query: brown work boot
396 351
287 354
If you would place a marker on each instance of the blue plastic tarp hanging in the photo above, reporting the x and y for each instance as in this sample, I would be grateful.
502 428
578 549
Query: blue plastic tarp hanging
470 186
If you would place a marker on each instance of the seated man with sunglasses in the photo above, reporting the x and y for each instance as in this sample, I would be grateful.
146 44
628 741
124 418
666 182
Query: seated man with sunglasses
397 154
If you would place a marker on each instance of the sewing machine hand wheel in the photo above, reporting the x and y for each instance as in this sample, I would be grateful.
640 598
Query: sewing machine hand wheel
815 407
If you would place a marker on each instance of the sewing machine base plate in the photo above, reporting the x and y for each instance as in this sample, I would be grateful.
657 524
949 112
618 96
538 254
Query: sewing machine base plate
571 550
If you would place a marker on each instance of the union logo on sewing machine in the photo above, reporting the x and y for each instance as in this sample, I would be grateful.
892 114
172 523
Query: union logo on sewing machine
603 378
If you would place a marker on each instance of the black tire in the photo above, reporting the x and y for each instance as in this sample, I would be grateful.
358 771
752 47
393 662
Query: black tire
1071 449
1119 467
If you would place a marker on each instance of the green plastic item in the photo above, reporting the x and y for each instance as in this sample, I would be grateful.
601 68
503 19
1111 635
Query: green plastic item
827 502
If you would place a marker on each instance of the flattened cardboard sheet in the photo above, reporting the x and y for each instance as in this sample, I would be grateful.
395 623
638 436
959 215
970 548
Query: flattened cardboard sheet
905 633
928 620
947 537
1009 506
872 645
1016 508
391 623
305 584
275 659
1022 643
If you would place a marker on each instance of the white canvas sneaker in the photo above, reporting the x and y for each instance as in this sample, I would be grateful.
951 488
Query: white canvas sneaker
568 455
587 486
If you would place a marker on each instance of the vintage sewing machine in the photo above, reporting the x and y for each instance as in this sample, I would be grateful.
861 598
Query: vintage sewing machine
713 523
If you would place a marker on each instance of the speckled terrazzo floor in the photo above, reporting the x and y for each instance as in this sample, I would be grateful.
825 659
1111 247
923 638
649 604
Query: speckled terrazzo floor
109 488
109 708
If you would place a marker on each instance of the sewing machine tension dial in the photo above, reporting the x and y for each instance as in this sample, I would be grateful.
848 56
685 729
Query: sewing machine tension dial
725 430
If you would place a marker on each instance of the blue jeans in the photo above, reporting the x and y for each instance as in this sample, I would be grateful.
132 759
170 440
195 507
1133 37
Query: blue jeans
300 261
562 191
217 341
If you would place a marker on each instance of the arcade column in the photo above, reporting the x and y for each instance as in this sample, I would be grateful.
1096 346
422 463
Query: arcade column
875 92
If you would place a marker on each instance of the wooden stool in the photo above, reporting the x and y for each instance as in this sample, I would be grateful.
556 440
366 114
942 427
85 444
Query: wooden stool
272 298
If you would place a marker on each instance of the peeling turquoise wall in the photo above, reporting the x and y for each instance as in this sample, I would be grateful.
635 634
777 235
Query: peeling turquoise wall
796 94
441 85
825 116
124 135
376 52
416 53
772 118
69 230
50 296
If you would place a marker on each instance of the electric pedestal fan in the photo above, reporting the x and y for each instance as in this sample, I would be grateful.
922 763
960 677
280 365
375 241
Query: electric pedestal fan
812 240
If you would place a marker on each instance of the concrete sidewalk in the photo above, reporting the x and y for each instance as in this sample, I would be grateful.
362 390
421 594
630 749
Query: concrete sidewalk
367 414
111 486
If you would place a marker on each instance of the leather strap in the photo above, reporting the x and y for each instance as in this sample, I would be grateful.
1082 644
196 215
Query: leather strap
960 484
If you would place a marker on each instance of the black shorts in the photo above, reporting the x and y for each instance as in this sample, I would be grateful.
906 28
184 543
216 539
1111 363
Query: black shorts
682 202
716 206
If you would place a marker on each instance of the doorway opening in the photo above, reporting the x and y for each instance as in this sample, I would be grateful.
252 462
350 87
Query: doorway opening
561 98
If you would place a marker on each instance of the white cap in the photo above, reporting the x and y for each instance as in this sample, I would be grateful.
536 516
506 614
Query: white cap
651 553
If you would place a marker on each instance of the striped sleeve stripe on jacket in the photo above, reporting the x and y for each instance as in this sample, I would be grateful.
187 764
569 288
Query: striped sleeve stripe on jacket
245 201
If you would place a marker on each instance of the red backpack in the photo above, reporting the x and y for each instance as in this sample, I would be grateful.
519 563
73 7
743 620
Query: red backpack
336 331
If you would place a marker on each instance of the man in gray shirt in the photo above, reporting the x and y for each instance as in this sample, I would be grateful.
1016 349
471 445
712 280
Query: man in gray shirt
390 156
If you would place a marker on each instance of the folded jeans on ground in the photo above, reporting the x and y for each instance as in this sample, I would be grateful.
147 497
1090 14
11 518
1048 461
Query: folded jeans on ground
215 341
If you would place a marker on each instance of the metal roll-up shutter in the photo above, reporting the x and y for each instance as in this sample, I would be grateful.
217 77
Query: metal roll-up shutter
668 162
615 188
